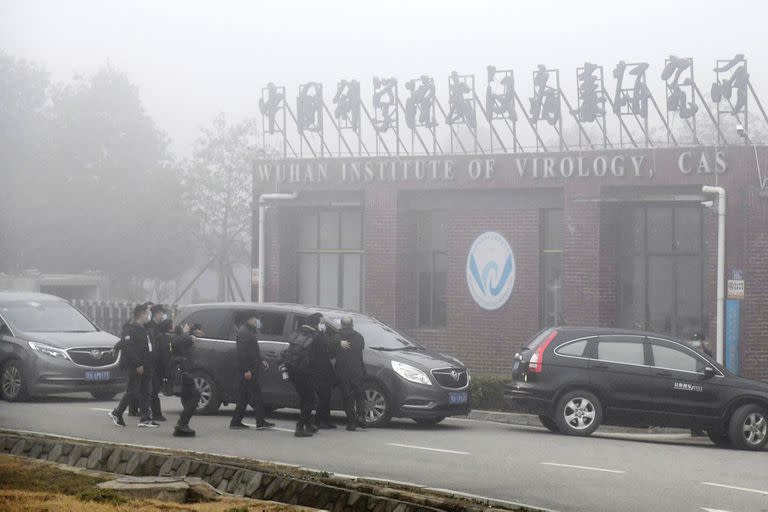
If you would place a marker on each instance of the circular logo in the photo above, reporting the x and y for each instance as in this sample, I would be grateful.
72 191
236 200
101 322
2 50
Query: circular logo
490 270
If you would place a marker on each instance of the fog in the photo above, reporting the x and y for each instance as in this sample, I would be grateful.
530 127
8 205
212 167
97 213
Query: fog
192 60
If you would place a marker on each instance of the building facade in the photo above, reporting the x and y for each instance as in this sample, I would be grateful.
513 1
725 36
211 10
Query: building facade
473 254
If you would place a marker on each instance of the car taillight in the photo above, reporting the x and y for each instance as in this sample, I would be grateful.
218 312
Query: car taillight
537 359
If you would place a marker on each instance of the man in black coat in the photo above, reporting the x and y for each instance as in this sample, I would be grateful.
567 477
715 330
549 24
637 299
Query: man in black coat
249 363
160 355
136 358
302 359
348 345
324 377
182 343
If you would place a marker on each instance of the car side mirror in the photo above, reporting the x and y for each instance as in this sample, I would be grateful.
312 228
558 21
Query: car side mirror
709 372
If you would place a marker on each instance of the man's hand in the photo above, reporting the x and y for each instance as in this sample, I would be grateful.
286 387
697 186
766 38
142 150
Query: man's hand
346 345
248 375
140 370
265 365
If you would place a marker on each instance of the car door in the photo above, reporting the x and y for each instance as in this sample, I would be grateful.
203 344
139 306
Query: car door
618 369
271 345
678 386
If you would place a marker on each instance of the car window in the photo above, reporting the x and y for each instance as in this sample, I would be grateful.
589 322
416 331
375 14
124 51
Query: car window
272 324
665 356
621 349
45 316
215 322
575 348
538 339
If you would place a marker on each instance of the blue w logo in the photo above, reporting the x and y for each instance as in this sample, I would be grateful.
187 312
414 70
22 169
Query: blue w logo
489 280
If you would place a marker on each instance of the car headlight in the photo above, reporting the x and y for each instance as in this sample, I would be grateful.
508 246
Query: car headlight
47 350
410 373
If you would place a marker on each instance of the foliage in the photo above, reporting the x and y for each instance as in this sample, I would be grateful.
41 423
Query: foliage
101 496
487 392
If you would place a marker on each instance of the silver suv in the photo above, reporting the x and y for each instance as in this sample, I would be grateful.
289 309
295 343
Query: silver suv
47 347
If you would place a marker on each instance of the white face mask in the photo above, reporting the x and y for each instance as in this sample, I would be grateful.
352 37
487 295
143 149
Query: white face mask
321 327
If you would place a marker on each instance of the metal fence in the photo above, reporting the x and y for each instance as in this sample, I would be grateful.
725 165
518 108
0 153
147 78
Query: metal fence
110 316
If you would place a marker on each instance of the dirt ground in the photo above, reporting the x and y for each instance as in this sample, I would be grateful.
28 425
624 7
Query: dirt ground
27 485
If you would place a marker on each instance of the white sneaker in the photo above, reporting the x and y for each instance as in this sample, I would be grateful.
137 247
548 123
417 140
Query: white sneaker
148 424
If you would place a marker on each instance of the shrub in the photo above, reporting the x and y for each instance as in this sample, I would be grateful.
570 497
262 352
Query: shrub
487 392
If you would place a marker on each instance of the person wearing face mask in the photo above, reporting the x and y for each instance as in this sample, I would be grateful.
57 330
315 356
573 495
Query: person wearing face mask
249 363
160 355
324 376
182 344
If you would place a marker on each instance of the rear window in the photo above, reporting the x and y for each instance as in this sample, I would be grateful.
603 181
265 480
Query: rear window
575 348
272 324
45 316
216 323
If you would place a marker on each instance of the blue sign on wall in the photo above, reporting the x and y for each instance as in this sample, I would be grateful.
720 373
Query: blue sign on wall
732 317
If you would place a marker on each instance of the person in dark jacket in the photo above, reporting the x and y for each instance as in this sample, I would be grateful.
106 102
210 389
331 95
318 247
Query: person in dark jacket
325 378
160 351
307 347
348 345
249 364
136 357
181 346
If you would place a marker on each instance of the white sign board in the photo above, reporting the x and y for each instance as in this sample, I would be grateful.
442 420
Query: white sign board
735 288
490 270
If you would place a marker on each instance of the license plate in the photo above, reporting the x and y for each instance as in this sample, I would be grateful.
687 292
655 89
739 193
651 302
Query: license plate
457 398
97 376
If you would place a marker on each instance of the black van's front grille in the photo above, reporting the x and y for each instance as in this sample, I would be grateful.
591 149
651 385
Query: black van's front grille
93 357
454 378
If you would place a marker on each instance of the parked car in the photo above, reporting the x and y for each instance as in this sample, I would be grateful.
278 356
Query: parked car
403 378
576 379
47 347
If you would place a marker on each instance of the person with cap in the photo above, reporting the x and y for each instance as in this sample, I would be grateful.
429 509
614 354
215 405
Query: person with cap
249 362
136 357
300 358
348 344
181 346
160 355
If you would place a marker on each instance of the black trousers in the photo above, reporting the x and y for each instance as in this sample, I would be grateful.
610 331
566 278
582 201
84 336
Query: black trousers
157 386
138 389
354 400
189 399
305 387
249 393
324 389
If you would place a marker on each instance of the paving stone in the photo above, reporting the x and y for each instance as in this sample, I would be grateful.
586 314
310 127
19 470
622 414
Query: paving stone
120 469
75 455
217 477
94 459
35 451
82 462
55 452
223 485
114 460
167 467
18 447
254 483
145 488
132 465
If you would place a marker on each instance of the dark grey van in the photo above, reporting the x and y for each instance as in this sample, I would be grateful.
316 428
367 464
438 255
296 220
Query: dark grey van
404 379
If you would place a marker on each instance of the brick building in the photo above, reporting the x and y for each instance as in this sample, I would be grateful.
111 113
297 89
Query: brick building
620 238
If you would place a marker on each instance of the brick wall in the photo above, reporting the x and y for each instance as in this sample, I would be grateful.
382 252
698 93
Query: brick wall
754 348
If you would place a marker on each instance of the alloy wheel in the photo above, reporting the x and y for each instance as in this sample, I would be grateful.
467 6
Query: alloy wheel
755 428
375 405
11 382
579 413
205 390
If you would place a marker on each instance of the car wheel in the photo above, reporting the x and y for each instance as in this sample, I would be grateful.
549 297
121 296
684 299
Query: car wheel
719 438
13 384
549 424
103 396
209 396
748 428
429 421
378 410
578 413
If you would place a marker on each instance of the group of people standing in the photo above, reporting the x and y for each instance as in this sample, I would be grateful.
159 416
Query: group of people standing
154 355
157 358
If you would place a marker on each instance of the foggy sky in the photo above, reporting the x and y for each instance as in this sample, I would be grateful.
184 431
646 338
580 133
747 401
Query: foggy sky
192 60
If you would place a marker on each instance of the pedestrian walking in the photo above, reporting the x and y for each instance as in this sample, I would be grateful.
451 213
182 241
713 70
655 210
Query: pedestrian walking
347 345
160 354
250 364
136 357
181 346
324 376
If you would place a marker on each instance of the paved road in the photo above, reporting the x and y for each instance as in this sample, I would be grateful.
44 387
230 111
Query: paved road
605 472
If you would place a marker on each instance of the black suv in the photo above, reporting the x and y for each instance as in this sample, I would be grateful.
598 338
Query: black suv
576 379
403 378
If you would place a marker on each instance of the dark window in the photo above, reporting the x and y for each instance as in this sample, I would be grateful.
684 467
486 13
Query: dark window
671 358
330 258
432 265
575 348
621 349
272 324
216 323
551 233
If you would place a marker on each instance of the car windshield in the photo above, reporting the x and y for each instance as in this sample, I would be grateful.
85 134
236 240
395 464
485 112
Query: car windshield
379 336
45 316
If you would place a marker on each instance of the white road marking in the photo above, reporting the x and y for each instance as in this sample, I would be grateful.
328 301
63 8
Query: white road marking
705 509
745 489
271 428
98 409
587 468
440 450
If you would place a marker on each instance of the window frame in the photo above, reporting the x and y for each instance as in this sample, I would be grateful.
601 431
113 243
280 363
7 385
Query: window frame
652 363
544 249
228 319
643 345
430 253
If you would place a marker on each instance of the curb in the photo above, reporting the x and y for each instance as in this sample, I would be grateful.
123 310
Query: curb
529 420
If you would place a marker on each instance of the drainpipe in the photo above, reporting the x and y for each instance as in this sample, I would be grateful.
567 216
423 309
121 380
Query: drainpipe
720 191
263 199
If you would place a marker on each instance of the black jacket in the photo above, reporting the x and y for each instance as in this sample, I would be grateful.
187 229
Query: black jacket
316 346
135 347
248 353
160 345
181 351
349 362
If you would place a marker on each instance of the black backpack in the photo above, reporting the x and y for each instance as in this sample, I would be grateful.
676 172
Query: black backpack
297 356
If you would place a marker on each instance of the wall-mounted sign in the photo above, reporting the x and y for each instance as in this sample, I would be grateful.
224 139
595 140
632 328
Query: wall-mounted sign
736 289
490 270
